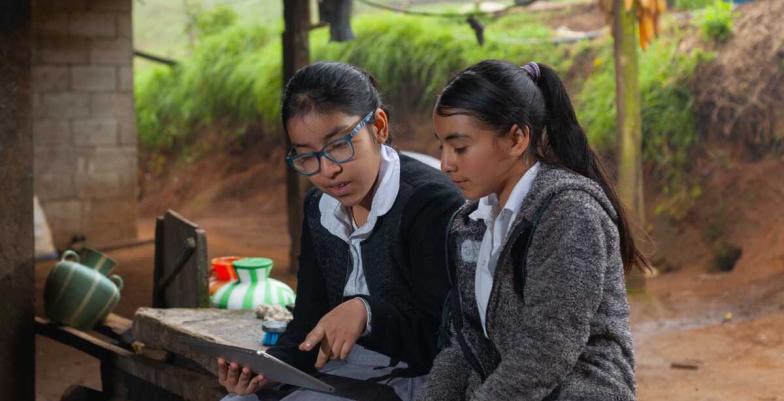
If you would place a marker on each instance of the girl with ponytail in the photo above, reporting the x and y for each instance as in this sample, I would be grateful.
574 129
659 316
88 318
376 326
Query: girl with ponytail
538 256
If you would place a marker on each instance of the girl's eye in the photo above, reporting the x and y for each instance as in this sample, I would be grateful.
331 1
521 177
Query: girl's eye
460 150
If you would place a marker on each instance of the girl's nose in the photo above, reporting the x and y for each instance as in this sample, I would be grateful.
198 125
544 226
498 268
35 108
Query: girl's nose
447 164
329 168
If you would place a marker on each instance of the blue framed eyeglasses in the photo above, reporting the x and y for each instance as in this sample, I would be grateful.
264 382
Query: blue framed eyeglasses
340 150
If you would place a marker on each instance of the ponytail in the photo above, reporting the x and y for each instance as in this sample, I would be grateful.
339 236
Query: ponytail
501 94
568 143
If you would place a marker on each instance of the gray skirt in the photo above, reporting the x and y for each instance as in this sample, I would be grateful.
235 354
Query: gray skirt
362 364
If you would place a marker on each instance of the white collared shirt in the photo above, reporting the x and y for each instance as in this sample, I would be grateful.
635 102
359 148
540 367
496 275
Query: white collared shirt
338 221
498 223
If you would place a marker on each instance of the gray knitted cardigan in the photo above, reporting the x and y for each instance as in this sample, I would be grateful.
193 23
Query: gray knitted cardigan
558 317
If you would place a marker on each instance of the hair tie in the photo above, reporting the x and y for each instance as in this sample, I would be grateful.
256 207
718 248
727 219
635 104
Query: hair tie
533 70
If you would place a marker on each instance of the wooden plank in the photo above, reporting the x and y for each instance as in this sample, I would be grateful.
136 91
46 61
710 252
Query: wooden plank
78 339
181 277
167 329
116 362
117 328
185 383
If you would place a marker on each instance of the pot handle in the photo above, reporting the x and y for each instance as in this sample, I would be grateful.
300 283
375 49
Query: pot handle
68 254
117 280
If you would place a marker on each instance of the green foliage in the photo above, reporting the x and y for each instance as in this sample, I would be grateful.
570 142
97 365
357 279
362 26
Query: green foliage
668 126
234 77
692 4
215 20
219 84
716 21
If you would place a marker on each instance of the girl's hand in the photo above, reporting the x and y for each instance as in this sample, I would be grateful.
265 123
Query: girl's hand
237 379
337 331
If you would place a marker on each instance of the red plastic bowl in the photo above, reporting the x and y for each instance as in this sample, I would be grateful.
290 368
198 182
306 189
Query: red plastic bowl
222 268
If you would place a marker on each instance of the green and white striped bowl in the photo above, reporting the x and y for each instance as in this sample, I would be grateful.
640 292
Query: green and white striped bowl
253 287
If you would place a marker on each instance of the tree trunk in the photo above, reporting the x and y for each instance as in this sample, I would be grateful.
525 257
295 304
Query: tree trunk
628 123
296 54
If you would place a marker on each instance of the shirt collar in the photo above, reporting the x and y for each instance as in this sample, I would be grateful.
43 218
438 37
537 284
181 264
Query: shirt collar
336 219
488 207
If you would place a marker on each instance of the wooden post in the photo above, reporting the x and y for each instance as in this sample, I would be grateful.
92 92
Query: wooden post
628 122
296 54
17 289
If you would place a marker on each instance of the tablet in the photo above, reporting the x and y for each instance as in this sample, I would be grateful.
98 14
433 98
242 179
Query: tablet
262 363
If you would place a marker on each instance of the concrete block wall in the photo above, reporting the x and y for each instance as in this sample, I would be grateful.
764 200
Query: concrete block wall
84 126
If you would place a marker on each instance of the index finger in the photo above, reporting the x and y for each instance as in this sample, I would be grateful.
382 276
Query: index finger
314 337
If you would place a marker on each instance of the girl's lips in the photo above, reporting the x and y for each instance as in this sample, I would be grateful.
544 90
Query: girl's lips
340 189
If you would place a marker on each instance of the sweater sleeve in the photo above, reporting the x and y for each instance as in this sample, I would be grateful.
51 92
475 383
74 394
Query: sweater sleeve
311 305
408 331
563 287
448 379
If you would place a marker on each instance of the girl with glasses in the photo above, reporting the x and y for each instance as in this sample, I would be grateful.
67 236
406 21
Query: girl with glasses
372 276
539 308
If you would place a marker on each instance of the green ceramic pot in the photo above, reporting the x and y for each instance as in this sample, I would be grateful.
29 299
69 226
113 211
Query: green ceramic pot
253 287
77 295
97 260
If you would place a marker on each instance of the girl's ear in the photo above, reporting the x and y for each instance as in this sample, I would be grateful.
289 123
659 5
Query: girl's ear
521 139
381 122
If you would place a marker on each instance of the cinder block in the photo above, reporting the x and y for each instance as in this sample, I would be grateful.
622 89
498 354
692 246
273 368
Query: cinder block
51 133
54 187
95 132
65 105
92 24
64 218
125 78
109 210
128 133
46 22
114 105
50 78
62 161
63 49
111 51
98 185
124 25
94 78
102 160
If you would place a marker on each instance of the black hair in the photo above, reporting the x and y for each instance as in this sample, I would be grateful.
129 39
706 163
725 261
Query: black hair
328 86
500 94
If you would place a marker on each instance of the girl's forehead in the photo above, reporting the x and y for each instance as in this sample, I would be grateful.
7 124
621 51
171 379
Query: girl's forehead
463 124
314 127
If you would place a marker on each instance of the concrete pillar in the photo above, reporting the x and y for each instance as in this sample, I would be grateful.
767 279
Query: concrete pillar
17 339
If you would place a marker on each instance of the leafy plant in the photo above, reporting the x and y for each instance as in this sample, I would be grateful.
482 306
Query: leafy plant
716 21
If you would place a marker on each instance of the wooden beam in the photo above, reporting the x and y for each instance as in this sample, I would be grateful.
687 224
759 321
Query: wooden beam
296 54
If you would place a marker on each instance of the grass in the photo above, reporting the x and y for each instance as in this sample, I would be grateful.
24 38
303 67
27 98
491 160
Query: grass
234 76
